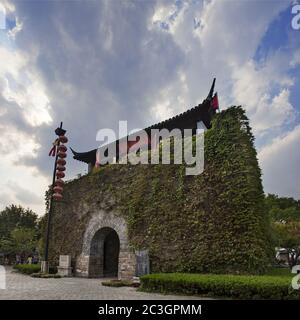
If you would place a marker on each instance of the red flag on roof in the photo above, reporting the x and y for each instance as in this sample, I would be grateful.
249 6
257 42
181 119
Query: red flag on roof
215 102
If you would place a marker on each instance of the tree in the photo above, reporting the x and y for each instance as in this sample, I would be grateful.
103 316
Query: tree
19 231
288 237
7 247
24 240
282 209
16 216
284 214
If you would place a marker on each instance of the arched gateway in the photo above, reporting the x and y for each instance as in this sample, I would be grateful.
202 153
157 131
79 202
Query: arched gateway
105 251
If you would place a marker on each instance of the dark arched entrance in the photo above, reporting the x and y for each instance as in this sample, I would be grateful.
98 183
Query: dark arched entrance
104 254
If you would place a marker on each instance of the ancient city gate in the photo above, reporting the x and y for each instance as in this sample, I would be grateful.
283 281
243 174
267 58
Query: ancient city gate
105 250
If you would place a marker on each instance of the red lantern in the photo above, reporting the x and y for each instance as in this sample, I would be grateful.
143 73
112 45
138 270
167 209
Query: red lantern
58 189
60 174
62 148
59 182
57 196
61 168
63 139
61 162
62 154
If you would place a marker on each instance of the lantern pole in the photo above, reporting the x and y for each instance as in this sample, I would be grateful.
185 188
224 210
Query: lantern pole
45 263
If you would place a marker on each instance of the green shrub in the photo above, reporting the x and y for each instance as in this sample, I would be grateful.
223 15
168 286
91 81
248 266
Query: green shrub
45 275
119 283
33 268
27 268
233 286
279 271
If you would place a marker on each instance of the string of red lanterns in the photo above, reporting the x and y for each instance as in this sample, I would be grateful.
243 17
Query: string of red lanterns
61 150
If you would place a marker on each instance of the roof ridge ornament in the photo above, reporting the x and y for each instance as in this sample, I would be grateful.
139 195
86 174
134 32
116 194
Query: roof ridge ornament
211 92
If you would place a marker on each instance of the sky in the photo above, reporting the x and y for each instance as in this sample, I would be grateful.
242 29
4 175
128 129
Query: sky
93 63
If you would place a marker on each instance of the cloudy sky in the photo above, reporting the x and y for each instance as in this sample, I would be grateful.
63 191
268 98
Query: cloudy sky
93 63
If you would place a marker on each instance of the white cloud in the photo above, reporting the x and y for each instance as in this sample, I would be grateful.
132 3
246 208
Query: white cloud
168 103
168 16
280 162
15 147
22 92
8 5
253 88
13 32
273 112
23 86
223 45
15 144
295 59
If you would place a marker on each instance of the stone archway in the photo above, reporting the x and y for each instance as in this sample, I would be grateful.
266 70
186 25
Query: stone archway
104 253
100 242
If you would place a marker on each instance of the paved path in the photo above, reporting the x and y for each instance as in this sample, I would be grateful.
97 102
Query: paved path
23 287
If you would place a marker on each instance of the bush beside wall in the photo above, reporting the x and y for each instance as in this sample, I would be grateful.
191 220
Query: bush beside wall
27 268
232 286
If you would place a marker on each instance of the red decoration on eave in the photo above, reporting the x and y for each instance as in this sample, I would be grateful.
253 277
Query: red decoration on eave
215 102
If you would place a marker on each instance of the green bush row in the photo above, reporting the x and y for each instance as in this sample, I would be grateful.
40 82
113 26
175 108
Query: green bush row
32 268
119 283
232 286
45 275
27 268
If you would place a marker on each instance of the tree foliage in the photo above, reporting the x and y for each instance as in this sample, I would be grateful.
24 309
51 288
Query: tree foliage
285 219
282 208
18 230
15 216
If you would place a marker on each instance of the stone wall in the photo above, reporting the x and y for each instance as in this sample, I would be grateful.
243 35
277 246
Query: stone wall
214 222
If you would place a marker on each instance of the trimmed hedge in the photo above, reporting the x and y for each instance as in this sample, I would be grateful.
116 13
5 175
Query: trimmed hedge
232 286
45 275
32 268
27 268
119 283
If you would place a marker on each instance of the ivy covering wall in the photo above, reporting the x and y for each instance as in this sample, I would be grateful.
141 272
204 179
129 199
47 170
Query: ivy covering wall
214 222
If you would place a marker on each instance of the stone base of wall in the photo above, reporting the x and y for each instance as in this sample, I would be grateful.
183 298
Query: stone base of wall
127 263
64 272
126 270
82 266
